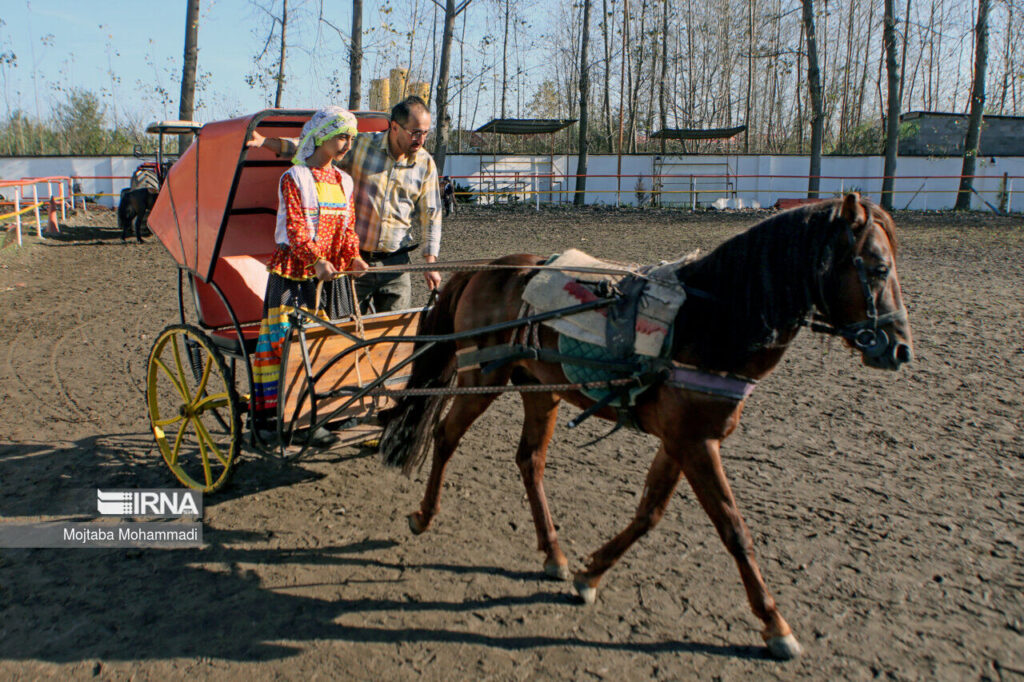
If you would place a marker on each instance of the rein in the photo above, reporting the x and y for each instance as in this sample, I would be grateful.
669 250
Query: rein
865 335
484 264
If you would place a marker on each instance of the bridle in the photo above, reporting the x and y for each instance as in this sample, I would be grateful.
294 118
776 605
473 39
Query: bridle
865 335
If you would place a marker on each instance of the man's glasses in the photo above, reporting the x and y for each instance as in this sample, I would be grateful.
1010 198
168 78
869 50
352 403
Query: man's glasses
415 134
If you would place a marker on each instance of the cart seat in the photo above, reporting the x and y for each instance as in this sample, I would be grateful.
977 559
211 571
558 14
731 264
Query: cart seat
242 280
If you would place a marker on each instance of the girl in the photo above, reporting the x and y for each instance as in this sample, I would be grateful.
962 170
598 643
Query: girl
315 238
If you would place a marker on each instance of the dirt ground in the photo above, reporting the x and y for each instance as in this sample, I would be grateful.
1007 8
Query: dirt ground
886 508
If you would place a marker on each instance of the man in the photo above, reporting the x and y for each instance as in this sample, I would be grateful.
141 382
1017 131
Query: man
396 191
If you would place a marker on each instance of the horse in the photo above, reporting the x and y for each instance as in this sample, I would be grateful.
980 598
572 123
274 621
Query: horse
447 188
135 204
830 266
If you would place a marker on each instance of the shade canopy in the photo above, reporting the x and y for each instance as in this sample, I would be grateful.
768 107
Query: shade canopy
525 126
697 133
173 127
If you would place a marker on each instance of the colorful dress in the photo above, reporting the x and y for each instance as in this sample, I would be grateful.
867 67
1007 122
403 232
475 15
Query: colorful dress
318 223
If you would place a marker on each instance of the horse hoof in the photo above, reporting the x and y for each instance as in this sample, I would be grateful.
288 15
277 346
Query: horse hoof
557 571
784 648
415 524
587 593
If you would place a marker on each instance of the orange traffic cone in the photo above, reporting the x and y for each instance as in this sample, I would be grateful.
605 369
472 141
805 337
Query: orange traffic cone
51 219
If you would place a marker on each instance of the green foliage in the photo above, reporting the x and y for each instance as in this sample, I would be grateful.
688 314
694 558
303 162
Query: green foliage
867 138
77 126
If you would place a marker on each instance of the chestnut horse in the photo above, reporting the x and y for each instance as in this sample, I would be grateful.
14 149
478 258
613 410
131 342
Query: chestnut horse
834 260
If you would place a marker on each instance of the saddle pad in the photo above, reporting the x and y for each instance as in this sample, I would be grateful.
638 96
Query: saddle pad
553 289
582 374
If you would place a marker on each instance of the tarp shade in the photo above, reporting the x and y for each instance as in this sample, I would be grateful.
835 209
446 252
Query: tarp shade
525 126
697 133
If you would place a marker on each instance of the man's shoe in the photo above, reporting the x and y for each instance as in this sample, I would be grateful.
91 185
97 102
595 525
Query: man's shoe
322 438
267 436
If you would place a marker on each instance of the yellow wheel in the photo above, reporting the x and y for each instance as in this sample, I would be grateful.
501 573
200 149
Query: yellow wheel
193 407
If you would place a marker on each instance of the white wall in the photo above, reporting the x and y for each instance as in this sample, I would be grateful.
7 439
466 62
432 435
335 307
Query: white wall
922 182
15 168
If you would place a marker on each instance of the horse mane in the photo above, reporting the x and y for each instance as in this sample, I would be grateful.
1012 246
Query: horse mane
760 284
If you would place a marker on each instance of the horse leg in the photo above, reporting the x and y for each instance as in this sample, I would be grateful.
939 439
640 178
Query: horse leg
662 478
703 468
138 223
464 411
539 423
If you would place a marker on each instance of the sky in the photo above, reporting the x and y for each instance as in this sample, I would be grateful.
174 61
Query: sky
80 43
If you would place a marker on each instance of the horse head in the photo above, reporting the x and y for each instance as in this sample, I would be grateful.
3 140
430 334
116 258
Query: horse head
860 296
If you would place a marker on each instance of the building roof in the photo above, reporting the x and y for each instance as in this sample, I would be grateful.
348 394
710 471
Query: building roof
525 126
910 115
697 133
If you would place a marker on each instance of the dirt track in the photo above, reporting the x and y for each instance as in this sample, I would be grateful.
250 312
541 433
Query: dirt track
886 509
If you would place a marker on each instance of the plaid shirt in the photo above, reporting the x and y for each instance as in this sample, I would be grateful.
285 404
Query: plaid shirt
391 197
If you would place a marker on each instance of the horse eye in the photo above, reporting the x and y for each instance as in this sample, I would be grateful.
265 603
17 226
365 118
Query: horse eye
881 271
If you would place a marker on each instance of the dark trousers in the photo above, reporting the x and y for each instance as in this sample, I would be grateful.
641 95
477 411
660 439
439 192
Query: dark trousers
386 291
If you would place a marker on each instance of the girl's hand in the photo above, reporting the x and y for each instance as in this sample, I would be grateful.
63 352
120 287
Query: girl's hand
255 141
324 270
358 266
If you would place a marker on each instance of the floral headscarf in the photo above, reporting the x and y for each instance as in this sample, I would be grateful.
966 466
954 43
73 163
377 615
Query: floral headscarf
324 124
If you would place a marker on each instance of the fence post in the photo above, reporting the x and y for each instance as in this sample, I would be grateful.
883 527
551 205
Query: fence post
63 217
1009 195
693 195
35 200
17 211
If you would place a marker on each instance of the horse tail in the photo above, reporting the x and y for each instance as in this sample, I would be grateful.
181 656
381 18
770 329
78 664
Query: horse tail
409 425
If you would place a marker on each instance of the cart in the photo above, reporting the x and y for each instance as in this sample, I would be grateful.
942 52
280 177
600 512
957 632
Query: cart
215 215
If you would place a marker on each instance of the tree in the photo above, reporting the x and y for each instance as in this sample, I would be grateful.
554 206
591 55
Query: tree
892 120
280 61
261 74
664 65
581 163
186 104
963 197
355 57
817 106
443 122
78 124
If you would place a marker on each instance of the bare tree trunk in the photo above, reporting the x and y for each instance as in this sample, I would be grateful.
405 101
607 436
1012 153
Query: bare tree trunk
607 76
867 60
443 121
963 197
750 74
504 62
280 64
817 113
799 88
581 164
355 57
846 97
903 56
892 120
186 108
664 69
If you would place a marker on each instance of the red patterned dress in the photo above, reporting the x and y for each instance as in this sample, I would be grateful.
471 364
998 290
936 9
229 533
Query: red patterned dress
292 281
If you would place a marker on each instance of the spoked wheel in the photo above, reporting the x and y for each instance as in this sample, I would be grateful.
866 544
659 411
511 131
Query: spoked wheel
193 407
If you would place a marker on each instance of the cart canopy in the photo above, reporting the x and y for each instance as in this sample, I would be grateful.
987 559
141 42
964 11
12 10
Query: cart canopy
220 198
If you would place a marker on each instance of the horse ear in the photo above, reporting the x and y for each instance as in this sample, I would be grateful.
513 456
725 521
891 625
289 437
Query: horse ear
852 210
